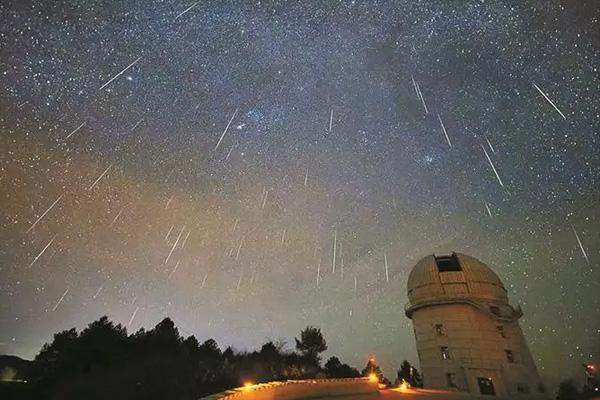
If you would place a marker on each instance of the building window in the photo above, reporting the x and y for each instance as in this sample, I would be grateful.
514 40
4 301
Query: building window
448 263
451 379
510 356
445 353
486 386
495 310
522 388
439 330
500 330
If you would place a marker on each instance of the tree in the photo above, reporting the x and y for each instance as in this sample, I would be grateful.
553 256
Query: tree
269 351
311 343
409 374
103 361
102 343
373 369
334 368
165 335
56 357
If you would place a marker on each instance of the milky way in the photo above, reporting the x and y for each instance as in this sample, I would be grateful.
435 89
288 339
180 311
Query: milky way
252 168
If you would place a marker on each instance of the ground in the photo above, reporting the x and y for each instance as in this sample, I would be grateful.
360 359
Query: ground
420 394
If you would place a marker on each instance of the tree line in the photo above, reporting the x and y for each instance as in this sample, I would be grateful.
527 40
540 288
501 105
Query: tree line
104 361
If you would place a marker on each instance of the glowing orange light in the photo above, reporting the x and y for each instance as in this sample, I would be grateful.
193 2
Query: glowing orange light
404 386
248 385
373 378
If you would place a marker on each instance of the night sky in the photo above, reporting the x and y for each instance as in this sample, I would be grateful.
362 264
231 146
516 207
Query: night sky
206 161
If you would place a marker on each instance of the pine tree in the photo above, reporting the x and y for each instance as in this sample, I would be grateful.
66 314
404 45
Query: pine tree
373 369
409 374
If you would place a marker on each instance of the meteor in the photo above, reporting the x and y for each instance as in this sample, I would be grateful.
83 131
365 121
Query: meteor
100 177
550 101
226 129
132 317
45 212
186 10
387 276
120 73
42 252
75 130
580 245
492 165
60 300
174 245
444 129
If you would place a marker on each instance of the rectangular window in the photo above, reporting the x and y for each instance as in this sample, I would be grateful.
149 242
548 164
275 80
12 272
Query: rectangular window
448 263
445 353
495 310
510 357
500 330
486 386
451 379
439 330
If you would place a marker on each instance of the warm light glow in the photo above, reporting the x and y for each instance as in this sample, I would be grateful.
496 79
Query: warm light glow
404 386
373 378
248 385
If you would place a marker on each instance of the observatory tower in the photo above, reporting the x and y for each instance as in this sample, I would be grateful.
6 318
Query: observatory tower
468 335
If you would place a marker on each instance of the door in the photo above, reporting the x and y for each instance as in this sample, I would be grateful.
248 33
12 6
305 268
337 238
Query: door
486 386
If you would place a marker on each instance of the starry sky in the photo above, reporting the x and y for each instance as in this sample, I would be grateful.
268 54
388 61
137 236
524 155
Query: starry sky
250 168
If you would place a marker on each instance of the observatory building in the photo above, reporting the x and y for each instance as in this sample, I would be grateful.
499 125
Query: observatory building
468 335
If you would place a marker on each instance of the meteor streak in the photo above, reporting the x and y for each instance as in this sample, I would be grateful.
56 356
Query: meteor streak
444 129
42 252
174 270
489 144
100 177
226 129
492 165
387 276
60 300
580 245
45 212
97 292
136 125
487 207
186 10
132 317
115 219
120 73
174 245
550 101
318 273
75 130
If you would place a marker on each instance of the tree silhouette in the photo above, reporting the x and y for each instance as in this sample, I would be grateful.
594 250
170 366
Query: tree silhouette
103 361
334 368
311 343
409 374
373 369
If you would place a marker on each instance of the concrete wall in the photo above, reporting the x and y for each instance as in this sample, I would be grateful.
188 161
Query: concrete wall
304 389
476 349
